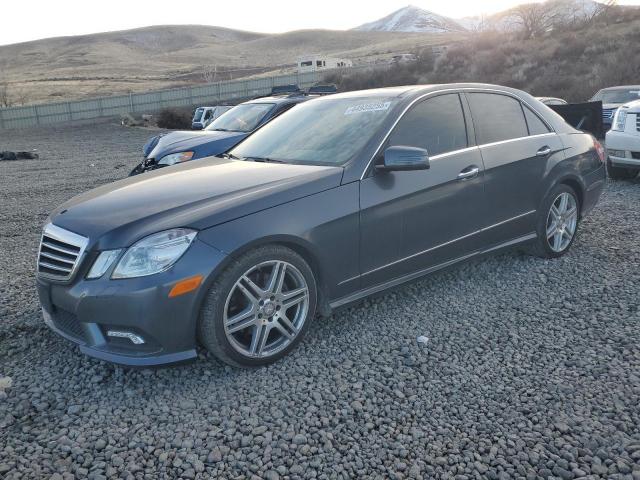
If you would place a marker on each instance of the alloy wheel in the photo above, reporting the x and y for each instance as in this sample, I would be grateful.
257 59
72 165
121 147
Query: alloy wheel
266 308
562 221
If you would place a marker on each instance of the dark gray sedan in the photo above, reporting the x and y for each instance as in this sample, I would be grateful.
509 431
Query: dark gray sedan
337 199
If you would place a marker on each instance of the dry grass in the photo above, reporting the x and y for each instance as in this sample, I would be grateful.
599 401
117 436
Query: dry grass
169 56
572 64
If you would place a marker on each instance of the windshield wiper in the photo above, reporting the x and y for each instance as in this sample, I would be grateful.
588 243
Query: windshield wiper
231 156
265 160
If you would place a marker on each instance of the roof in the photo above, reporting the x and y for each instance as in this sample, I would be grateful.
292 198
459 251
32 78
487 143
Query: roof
409 91
294 98
621 87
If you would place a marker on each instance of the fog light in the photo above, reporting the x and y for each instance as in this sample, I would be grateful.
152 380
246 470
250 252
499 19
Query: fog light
135 339
617 153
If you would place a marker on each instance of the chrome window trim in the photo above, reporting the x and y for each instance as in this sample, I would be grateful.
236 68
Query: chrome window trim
457 90
68 237
516 139
453 152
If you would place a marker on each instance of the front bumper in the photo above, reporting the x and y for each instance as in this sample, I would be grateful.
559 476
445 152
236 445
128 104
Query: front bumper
627 146
84 311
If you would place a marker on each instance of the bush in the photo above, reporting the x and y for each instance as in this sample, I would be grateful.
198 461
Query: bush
174 118
568 64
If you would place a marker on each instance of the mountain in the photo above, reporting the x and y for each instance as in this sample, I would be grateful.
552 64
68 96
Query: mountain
413 19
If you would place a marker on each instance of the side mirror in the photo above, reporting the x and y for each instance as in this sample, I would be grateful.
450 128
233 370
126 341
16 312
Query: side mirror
404 158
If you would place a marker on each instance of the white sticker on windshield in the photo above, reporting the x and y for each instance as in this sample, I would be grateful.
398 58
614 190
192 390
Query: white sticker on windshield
367 107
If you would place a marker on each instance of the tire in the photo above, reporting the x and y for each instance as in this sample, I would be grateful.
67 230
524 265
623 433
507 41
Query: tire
621 173
250 333
546 245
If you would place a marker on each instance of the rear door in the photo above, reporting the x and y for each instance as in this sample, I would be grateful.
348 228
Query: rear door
516 146
414 220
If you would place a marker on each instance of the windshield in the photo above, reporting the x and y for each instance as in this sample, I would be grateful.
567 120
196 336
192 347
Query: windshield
243 118
198 114
618 96
325 131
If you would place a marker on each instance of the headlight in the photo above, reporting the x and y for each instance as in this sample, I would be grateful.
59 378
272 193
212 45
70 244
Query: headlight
174 158
620 120
102 263
154 254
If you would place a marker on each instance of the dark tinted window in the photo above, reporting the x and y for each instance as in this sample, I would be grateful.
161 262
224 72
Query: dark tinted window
436 124
536 126
497 117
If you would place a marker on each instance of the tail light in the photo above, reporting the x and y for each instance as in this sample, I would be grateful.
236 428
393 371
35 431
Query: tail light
600 150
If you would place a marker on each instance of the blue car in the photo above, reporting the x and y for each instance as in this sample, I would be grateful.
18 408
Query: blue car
221 135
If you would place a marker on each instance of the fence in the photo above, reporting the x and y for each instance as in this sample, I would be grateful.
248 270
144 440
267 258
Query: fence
51 113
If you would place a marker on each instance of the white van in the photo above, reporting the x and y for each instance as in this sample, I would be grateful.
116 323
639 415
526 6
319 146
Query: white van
203 116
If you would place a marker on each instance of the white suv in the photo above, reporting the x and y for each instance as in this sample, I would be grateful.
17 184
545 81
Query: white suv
623 142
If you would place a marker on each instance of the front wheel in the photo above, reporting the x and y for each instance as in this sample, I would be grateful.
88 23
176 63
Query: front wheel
259 308
558 221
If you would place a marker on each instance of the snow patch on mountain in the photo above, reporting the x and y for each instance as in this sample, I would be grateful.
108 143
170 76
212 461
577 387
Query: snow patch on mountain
413 19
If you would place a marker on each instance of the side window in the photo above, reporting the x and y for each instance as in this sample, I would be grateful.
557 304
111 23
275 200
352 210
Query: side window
497 117
436 124
536 126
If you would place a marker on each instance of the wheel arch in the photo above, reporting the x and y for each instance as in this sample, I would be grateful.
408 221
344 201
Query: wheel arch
570 179
577 187
300 246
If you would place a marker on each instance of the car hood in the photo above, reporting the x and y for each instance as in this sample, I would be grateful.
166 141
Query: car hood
606 106
195 194
175 142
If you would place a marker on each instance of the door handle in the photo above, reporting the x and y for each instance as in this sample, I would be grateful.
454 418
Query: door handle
468 173
544 151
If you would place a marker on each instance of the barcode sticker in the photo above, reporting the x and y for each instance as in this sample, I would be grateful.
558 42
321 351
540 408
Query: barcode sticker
367 107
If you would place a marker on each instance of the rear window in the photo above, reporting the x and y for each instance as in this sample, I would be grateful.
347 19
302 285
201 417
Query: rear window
242 118
497 117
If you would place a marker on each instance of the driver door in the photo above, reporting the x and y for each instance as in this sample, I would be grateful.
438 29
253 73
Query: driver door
414 220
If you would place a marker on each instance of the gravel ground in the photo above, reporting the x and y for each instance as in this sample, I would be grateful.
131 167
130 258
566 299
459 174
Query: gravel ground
531 368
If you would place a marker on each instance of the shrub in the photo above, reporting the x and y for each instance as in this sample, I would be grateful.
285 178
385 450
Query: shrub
568 64
174 118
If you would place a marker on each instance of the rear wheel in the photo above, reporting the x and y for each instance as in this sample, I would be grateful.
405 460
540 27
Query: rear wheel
621 173
557 222
259 308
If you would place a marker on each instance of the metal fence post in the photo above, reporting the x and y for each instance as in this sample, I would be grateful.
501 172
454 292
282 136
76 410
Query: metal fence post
1 118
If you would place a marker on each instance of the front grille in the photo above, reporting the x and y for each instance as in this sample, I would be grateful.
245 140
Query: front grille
68 323
607 113
638 122
60 252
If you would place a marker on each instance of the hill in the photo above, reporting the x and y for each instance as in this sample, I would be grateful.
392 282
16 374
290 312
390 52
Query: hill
169 56
571 63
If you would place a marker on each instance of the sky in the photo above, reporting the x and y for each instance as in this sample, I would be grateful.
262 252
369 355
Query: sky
54 18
